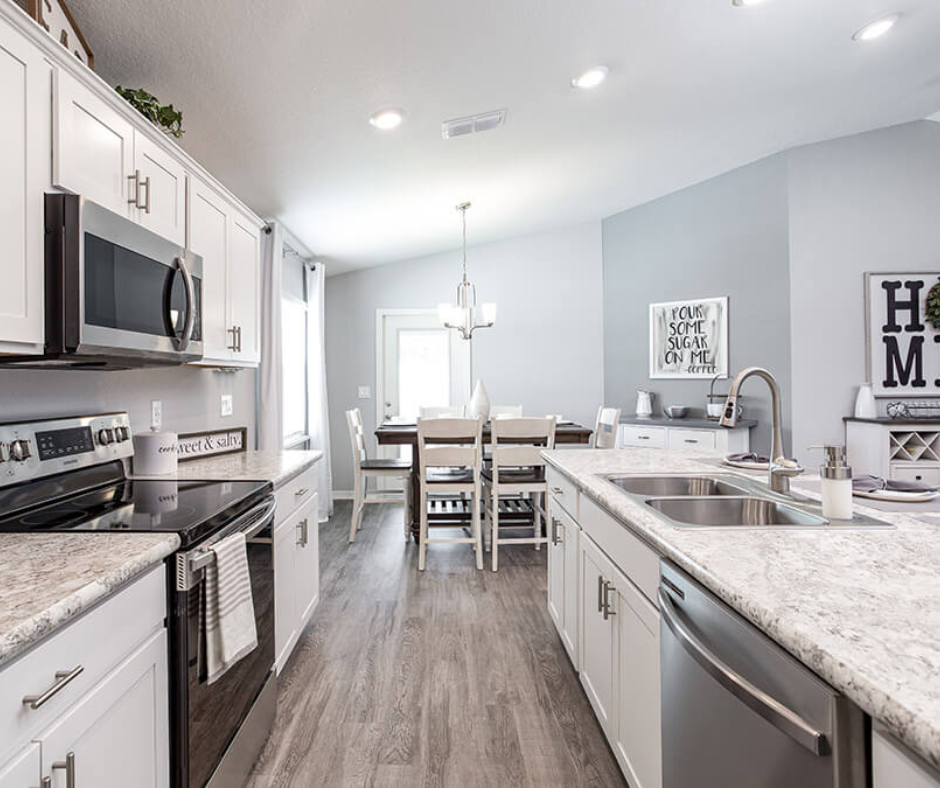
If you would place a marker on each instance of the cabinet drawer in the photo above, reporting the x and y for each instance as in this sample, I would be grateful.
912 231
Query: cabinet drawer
691 439
563 490
295 493
637 560
912 473
643 437
96 641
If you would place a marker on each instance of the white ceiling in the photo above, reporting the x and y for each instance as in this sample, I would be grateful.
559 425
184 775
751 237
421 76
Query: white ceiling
276 95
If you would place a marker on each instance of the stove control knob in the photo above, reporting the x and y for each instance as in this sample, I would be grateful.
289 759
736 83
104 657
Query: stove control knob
19 451
4 453
123 434
105 437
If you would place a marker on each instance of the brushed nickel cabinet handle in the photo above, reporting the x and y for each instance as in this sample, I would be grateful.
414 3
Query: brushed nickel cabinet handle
302 491
300 533
558 491
239 339
63 677
234 332
608 587
146 206
69 765
600 594
556 539
135 178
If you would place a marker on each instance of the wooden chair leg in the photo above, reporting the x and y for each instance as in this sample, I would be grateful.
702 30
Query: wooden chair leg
365 494
536 519
487 516
475 524
423 530
356 511
406 516
494 536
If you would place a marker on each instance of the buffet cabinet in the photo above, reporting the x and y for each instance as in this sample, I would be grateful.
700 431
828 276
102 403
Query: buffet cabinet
602 583
65 129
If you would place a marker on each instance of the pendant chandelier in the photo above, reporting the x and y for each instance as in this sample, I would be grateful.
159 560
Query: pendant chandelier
463 314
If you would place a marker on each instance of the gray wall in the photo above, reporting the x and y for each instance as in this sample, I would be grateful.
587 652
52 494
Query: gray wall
190 396
870 202
544 352
724 237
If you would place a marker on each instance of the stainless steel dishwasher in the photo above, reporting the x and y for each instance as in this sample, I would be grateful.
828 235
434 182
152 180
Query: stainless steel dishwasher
740 712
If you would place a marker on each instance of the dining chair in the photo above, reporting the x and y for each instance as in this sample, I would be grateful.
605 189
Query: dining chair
441 411
449 460
506 412
364 468
517 470
605 430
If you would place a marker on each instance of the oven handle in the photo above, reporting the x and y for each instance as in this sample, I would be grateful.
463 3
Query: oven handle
182 342
189 565
784 719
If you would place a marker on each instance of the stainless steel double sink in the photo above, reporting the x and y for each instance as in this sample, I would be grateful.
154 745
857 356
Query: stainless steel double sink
728 501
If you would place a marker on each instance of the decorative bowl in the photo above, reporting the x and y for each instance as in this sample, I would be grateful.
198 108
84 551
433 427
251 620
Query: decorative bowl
677 411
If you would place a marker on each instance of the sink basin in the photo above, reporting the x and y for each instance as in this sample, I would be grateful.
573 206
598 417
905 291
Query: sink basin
730 512
674 486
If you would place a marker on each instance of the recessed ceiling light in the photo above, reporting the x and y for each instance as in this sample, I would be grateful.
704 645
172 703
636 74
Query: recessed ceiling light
876 29
745 3
387 119
590 78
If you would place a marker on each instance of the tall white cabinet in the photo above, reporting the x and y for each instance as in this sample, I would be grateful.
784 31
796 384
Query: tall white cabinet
24 151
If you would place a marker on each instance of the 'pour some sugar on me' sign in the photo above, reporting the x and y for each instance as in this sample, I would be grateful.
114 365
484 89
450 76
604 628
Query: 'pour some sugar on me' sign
689 339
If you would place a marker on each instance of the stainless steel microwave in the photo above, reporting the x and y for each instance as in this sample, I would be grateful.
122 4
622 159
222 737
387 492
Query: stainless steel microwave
117 295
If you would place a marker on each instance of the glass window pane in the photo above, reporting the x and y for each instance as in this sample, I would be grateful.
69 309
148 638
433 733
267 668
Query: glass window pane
294 344
423 369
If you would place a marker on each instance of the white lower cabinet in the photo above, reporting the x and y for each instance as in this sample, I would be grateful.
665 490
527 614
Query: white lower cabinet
616 651
296 576
117 735
893 765
23 770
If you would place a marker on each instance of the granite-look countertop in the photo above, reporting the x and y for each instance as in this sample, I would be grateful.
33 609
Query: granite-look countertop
277 467
47 579
860 608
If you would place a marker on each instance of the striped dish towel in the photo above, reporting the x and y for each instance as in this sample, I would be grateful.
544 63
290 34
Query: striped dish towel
230 611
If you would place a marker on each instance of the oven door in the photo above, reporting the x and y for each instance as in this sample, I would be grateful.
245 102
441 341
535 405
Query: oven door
206 718
126 293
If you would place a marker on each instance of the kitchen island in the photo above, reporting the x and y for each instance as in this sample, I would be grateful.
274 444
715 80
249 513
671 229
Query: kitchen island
861 608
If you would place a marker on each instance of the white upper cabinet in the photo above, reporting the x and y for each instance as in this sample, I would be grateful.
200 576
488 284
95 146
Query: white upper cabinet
159 190
230 246
93 146
24 173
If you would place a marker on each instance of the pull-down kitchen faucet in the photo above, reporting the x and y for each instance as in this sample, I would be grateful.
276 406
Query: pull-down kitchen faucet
780 469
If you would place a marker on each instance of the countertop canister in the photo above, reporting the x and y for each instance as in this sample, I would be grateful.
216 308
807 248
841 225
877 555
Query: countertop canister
155 453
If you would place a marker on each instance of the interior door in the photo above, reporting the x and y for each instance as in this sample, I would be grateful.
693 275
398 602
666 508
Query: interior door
164 194
117 735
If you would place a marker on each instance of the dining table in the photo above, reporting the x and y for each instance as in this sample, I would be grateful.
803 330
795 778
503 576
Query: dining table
446 510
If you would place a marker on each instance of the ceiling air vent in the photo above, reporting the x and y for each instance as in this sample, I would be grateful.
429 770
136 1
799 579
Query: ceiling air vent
474 123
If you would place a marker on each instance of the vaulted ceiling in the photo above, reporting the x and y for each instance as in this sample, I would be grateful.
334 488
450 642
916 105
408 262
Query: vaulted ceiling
276 96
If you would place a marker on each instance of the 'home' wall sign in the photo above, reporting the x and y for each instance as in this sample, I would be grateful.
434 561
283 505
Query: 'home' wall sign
903 346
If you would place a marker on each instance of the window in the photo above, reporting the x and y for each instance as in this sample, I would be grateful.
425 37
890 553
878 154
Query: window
294 349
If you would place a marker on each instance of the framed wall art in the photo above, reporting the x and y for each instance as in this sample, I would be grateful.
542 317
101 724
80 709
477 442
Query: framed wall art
689 339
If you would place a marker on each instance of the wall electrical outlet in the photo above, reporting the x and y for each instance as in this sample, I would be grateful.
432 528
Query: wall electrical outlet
227 407
156 414
365 392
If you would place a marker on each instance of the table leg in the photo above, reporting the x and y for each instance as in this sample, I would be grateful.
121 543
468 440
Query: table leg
416 501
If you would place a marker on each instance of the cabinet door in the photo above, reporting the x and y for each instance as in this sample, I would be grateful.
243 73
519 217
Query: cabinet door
93 146
308 566
638 742
117 734
245 288
23 770
24 140
556 569
598 636
286 536
161 193
209 238
572 591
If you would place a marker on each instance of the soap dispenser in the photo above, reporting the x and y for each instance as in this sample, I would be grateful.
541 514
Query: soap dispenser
836 478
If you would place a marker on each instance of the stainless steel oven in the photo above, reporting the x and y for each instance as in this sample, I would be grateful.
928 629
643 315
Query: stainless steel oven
117 294
218 729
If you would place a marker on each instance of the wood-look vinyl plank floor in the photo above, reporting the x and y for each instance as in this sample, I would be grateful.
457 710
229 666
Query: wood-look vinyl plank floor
451 678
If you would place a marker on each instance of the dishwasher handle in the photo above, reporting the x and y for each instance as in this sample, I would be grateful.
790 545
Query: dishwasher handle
784 719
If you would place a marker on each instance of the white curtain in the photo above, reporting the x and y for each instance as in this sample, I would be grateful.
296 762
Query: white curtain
270 377
318 419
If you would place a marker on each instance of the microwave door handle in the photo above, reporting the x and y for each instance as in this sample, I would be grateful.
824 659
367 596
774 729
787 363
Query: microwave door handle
784 719
183 342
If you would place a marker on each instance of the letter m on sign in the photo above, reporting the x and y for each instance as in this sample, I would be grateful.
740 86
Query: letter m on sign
910 371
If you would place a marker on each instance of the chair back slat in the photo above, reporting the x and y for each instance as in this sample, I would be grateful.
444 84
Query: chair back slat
605 431
357 436
519 443
449 443
441 411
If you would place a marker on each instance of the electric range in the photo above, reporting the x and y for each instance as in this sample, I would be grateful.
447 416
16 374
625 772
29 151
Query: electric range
69 475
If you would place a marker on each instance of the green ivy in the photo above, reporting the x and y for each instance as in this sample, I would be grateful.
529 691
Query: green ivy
149 106
933 305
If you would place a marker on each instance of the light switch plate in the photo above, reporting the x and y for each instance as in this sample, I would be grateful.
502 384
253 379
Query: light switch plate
227 406
156 414
365 392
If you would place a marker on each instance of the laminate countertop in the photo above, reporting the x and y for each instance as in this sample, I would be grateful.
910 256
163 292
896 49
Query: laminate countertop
278 467
48 579
860 608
